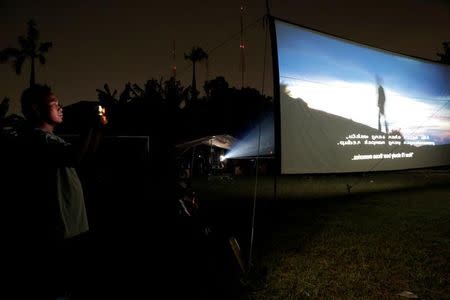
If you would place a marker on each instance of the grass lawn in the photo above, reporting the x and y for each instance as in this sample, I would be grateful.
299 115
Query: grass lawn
315 240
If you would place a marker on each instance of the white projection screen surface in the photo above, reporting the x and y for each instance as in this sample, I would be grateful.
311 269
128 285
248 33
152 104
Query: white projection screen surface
346 107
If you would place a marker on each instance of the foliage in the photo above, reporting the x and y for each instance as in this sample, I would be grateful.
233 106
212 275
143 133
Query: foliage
11 124
216 87
162 104
105 96
30 48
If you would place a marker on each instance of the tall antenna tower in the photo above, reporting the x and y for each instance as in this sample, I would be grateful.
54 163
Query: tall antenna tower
242 47
268 7
207 68
174 66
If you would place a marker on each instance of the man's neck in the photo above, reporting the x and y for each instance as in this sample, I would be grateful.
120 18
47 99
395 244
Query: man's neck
47 127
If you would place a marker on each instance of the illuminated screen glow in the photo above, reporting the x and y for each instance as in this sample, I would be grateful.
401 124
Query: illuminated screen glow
346 107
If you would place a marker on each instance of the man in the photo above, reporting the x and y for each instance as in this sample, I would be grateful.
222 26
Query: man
381 104
53 194
55 160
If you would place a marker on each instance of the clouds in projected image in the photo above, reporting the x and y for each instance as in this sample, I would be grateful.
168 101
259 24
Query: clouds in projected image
358 102
340 78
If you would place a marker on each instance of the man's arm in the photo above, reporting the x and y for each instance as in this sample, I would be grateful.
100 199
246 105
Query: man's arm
91 138
66 154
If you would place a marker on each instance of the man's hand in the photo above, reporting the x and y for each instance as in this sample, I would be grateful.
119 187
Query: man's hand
102 114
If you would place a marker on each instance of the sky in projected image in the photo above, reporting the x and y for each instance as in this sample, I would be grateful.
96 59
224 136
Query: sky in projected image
339 77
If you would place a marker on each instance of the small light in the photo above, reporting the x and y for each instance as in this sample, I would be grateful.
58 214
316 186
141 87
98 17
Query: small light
222 158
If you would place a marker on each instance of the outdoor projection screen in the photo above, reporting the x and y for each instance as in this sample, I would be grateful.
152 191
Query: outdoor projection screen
346 107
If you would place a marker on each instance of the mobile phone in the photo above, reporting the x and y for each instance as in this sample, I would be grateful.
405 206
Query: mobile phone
101 110
102 115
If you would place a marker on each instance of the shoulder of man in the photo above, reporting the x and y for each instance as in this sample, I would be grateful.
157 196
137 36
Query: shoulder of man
48 138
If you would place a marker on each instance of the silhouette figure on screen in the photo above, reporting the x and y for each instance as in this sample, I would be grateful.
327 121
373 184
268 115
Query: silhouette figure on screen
381 104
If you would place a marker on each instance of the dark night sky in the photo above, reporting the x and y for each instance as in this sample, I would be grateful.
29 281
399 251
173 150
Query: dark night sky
121 41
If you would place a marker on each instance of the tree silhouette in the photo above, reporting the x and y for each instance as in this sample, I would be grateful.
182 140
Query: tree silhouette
445 57
149 98
125 96
216 87
30 48
153 90
174 93
4 107
106 98
197 54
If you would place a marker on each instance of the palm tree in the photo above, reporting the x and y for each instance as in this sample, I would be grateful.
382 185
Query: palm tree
29 48
197 54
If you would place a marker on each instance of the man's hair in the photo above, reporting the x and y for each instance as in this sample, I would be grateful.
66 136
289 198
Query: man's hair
32 99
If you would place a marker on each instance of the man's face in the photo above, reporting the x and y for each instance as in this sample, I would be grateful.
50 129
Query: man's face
53 111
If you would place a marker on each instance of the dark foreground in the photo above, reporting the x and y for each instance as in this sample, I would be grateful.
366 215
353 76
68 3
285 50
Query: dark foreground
389 235
312 238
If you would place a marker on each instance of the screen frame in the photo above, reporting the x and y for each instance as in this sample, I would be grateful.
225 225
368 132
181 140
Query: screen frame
276 90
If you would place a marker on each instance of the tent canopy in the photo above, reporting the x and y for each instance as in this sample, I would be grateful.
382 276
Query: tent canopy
223 141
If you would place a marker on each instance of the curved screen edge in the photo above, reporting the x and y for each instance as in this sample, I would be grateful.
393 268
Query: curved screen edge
346 107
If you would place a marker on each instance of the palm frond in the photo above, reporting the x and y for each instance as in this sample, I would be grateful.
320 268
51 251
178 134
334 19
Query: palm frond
137 90
8 53
106 87
22 42
44 47
32 33
108 91
18 63
125 95
42 59
196 54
